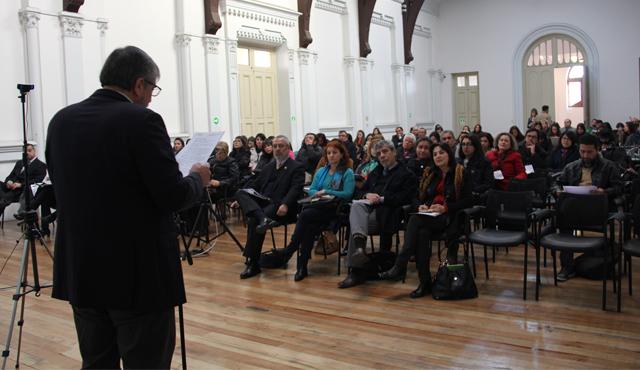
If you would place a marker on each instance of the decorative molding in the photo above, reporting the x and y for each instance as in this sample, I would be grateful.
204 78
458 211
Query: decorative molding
72 6
350 61
305 55
71 24
183 39
304 35
211 44
365 12
382 20
430 6
261 12
397 67
103 26
334 6
263 36
290 55
212 21
232 46
422 31
365 64
29 19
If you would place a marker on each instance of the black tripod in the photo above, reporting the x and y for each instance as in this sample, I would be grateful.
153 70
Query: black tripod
205 208
30 234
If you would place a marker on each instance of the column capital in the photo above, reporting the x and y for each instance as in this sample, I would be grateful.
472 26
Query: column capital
71 24
29 18
182 39
305 56
211 44
103 26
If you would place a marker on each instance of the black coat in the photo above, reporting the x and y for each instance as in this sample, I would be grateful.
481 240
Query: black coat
557 163
402 158
538 160
417 166
263 161
37 170
283 186
243 159
225 171
309 156
398 187
480 171
117 184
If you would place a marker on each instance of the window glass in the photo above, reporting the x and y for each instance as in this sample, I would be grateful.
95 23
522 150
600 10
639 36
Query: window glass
243 56
461 81
261 59
576 72
473 80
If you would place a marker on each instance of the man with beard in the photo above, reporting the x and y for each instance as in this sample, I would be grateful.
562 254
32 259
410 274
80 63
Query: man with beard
590 169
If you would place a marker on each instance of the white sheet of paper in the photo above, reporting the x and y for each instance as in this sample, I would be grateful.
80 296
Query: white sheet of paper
431 214
363 201
498 175
529 169
198 150
579 189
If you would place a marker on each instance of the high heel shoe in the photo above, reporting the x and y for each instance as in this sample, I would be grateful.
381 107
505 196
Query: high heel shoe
395 274
423 289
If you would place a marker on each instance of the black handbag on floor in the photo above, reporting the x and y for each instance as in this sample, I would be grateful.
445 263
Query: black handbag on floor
454 282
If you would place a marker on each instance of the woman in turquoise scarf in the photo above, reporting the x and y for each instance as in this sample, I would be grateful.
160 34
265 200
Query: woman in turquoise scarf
334 179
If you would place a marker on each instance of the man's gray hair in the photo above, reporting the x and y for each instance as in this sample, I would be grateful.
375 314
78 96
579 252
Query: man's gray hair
410 136
382 143
125 65
282 137
448 132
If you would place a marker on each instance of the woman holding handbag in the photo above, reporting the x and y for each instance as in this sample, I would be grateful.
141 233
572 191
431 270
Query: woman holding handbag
333 180
444 191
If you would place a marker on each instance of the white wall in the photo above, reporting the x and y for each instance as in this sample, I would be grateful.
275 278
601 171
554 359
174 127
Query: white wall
484 35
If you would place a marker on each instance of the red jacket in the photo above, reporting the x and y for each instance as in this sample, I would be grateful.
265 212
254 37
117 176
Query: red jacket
511 166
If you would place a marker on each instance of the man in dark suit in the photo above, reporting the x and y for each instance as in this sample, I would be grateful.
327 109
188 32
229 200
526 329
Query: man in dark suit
279 186
117 184
397 138
388 188
11 189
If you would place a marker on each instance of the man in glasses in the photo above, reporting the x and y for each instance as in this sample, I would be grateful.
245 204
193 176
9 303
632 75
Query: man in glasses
117 184
532 152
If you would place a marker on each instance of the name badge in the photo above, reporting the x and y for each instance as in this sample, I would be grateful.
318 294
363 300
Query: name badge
498 175
529 169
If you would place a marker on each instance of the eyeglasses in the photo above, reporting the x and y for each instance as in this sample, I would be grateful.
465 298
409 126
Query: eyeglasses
467 144
156 89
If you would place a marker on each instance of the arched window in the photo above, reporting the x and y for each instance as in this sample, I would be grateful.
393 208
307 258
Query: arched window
574 86
555 50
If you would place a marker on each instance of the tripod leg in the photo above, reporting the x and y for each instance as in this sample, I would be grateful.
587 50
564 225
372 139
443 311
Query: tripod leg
20 284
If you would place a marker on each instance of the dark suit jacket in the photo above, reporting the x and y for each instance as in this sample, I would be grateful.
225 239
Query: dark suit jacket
117 184
399 188
283 186
36 169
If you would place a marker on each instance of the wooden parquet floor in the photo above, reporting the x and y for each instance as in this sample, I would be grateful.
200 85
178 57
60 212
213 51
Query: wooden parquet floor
273 322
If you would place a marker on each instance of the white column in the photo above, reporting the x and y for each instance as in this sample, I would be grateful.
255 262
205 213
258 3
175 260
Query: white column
71 24
366 66
400 94
234 90
217 117
183 42
29 20
309 94
354 94
410 85
436 79
296 119
103 26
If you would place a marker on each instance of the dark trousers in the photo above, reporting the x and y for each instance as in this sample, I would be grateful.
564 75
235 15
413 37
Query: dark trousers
311 222
143 340
45 199
8 196
420 230
250 206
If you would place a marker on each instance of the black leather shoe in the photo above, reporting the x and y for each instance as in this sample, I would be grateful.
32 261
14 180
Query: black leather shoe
395 274
250 271
350 281
422 290
265 225
18 216
359 257
301 273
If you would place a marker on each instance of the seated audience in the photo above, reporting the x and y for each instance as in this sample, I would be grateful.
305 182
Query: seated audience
634 134
611 151
477 129
565 153
486 142
580 130
309 154
591 169
345 137
369 163
398 137
438 128
279 186
178 144
506 161
12 187
266 157
388 188
434 137
532 153
567 126
445 189
517 134
334 177
478 167
554 135
256 150
45 199
322 139
532 117
242 156
422 133
225 174
422 159
448 137
621 133
408 149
